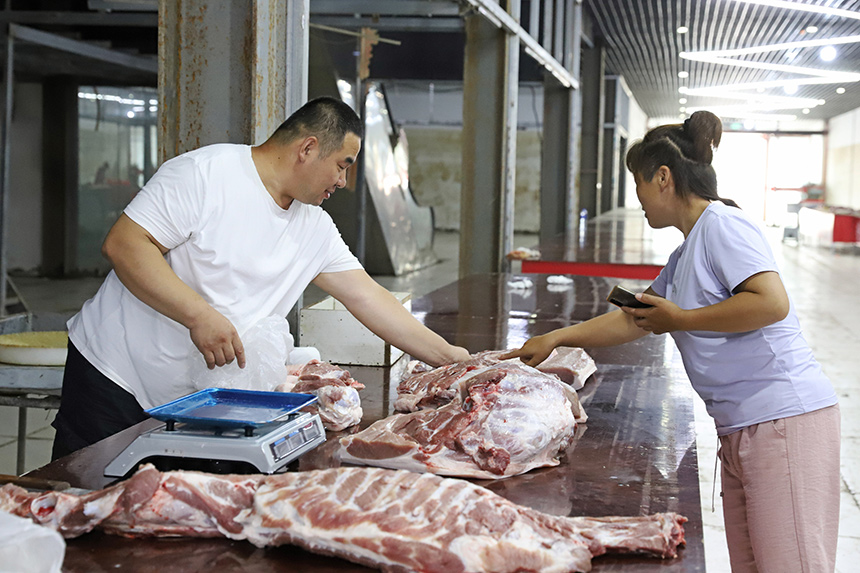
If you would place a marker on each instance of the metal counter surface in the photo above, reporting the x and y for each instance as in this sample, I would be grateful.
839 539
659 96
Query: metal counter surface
635 455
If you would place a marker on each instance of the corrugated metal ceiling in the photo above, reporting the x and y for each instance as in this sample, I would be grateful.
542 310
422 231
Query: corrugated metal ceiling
643 45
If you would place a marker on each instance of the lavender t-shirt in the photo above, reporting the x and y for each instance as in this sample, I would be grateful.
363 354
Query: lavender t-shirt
745 378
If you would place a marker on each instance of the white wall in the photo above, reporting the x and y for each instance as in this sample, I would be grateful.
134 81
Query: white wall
431 114
24 219
637 126
843 161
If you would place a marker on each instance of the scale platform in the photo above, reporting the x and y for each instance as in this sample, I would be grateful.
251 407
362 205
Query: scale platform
266 430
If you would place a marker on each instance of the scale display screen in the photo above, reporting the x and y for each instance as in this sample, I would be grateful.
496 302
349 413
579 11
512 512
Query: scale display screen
286 445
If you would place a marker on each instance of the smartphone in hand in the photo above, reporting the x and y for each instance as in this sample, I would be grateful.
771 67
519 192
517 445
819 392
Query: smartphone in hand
620 296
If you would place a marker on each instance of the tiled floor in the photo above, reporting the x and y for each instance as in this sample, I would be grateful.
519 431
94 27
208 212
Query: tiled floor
821 281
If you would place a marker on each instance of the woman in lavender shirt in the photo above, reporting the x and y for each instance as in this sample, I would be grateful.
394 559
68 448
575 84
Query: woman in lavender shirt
721 298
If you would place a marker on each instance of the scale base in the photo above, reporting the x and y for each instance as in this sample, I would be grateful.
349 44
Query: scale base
268 451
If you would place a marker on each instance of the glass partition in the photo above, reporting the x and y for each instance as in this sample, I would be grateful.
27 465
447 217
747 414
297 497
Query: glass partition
116 153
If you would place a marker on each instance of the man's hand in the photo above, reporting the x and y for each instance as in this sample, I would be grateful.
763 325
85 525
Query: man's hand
458 354
216 339
534 351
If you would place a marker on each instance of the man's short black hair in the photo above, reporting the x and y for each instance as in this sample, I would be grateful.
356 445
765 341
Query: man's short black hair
326 118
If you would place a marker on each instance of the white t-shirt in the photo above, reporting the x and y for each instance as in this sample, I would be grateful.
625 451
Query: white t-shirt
230 242
749 377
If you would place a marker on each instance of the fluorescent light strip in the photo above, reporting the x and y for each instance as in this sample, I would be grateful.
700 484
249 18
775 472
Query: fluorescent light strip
798 101
764 106
703 57
783 46
805 8
770 84
109 97
745 115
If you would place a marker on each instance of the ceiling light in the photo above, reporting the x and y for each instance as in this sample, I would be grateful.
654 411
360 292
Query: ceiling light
683 74
805 8
682 100
827 53
774 102
760 90
781 46
682 29
130 115
682 108
735 88
805 110
790 89
811 29
741 114
710 58
840 90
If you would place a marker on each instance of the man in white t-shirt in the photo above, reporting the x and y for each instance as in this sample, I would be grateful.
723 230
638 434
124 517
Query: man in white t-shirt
219 239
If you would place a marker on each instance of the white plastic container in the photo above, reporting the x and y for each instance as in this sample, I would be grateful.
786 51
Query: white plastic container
342 339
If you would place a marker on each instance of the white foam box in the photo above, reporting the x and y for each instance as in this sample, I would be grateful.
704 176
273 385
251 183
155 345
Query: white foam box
342 339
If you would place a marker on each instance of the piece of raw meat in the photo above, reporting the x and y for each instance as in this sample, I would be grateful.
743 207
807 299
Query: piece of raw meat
509 419
431 388
572 365
438 386
338 403
392 520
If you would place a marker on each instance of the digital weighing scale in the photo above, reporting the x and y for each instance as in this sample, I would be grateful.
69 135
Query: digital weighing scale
264 429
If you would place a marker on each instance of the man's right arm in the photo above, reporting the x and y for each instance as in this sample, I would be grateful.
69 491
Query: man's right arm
138 260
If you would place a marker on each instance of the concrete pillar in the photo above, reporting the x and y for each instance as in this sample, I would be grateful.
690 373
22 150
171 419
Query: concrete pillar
591 157
610 162
228 70
489 145
60 182
559 194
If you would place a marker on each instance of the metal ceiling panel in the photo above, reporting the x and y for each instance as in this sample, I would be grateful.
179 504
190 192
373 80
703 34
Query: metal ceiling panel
643 45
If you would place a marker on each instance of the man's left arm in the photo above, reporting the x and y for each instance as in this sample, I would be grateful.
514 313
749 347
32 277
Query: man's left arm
385 316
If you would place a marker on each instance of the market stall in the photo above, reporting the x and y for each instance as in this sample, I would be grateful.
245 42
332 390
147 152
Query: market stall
636 454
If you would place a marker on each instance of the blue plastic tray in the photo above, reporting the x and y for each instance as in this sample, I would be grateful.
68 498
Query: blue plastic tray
225 408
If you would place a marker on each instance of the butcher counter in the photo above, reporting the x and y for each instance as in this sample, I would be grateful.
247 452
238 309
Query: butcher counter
635 455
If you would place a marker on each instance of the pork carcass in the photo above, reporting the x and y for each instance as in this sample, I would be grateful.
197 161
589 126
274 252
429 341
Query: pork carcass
508 419
438 386
431 388
391 520
338 403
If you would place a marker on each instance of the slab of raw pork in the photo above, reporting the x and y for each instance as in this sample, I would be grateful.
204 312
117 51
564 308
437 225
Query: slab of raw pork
338 403
508 419
435 387
395 521
572 365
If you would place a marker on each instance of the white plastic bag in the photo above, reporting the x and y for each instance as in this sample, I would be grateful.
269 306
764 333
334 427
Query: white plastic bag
29 548
267 344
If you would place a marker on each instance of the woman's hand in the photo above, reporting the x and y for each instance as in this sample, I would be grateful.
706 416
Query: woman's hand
663 316
535 350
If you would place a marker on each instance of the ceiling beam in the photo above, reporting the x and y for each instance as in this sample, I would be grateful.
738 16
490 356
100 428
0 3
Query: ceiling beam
84 49
387 7
497 15
69 18
396 24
